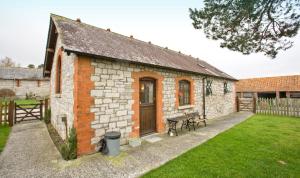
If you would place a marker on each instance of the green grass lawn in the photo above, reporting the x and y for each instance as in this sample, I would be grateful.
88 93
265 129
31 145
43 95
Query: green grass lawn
25 101
262 146
4 132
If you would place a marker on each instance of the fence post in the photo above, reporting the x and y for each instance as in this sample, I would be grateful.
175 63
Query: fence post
41 109
237 104
1 109
15 110
11 113
46 105
254 105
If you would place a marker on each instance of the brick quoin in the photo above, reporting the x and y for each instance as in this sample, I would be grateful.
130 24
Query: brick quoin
192 89
160 125
82 104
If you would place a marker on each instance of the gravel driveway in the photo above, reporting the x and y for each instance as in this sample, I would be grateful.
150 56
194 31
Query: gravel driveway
31 153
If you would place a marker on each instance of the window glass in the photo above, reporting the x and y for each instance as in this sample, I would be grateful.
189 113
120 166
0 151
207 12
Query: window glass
147 92
58 76
184 92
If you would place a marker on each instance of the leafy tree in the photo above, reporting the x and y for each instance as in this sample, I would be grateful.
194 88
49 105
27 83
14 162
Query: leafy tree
250 26
7 62
32 66
40 66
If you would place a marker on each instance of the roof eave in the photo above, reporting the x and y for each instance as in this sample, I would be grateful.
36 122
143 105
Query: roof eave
147 64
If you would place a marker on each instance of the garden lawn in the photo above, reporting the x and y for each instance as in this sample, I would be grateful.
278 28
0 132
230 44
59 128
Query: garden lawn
262 146
27 101
24 101
4 132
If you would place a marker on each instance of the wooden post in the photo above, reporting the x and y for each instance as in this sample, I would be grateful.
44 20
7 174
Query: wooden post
15 110
11 113
288 106
5 112
46 104
237 104
1 109
254 105
41 109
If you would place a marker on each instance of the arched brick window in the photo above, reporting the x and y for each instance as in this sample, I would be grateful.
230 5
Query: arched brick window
184 94
58 76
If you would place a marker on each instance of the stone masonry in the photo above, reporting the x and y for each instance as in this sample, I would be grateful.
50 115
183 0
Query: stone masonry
62 104
113 97
27 87
113 100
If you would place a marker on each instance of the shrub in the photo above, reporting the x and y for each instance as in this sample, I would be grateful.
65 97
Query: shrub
72 141
47 117
6 93
64 151
30 95
69 149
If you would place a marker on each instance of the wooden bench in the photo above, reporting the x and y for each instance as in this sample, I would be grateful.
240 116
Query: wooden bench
188 120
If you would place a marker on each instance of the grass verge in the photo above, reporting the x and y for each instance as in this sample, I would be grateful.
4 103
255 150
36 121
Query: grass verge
4 133
262 146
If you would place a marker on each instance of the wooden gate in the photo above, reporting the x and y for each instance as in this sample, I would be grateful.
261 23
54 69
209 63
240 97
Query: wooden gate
28 112
6 112
245 104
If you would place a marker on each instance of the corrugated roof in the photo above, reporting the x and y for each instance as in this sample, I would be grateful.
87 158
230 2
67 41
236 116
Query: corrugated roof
279 83
85 39
10 73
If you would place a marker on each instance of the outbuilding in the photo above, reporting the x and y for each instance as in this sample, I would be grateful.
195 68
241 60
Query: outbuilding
103 81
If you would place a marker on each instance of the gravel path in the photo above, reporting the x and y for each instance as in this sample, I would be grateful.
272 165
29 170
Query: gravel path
31 153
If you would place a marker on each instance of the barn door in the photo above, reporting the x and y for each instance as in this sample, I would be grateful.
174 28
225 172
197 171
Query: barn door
147 106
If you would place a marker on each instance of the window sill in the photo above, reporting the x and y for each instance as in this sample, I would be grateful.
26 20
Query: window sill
186 107
58 95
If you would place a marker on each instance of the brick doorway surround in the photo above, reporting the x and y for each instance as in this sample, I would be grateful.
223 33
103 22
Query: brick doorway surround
160 125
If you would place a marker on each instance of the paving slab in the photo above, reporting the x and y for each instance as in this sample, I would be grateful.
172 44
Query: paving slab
31 153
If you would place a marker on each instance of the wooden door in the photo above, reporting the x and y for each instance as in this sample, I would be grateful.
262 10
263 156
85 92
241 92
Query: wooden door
147 106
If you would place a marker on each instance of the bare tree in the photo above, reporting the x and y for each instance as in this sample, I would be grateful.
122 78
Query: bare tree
7 62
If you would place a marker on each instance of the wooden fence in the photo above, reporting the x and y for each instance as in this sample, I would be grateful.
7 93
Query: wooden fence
6 112
282 106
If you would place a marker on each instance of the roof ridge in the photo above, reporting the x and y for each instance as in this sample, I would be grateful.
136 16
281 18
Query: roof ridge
277 76
57 19
128 37
9 67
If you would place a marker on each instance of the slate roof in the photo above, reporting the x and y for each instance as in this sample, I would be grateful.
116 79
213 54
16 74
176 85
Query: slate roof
85 39
10 73
280 83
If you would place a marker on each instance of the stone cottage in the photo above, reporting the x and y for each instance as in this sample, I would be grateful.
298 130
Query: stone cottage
24 81
103 81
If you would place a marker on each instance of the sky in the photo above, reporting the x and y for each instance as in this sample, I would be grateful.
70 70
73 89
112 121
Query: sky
24 29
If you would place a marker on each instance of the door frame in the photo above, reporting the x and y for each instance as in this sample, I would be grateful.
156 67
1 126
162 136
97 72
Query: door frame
155 104
160 123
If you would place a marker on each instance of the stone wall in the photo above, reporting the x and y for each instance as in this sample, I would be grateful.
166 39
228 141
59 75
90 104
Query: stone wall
27 87
113 97
218 103
62 104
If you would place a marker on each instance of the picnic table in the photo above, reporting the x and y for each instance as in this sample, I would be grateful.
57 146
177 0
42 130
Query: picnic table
188 120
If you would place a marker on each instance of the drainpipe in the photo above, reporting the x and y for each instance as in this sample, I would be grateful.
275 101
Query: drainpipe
203 91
